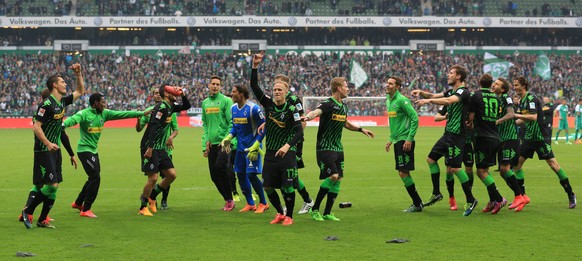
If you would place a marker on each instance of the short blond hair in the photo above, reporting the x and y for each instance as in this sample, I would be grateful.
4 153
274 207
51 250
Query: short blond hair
284 78
336 83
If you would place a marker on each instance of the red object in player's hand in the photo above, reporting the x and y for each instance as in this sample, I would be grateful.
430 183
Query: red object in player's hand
173 90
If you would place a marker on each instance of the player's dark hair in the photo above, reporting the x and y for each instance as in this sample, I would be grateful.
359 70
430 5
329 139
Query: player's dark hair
45 93
486 81
504 85
95 97
460 70
397 80
162 91
51 81
215 77
242 88
523 82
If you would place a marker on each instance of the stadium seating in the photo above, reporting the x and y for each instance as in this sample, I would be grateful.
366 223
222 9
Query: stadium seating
126 84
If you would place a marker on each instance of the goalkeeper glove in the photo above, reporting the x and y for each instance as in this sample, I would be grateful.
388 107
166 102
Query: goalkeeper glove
253 151
225 143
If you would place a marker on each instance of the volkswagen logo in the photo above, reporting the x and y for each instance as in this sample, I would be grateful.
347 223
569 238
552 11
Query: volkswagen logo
387 21
292 21
486 21
191 21
98 21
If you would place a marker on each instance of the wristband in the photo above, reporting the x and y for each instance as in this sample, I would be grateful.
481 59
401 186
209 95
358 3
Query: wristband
360 129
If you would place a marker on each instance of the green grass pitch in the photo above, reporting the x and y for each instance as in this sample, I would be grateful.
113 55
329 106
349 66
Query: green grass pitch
195 227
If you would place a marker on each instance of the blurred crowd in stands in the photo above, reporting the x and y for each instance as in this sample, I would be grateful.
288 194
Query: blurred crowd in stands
126 80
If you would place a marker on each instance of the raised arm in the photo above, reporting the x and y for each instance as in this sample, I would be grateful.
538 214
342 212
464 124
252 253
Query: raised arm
80 89
185 104
259 94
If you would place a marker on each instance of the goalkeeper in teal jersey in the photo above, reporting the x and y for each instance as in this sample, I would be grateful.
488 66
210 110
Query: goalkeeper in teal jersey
332 113
562 114
91 121
172 133
403 125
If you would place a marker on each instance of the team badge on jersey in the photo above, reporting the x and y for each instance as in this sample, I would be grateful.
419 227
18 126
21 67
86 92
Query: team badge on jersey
299 107
40 112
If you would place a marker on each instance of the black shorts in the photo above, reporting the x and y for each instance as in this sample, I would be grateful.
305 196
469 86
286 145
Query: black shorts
439 149
455 149
159 161
280 172
404 160
330 162
90 163
468 155
486 149
47 168
542 148
509 153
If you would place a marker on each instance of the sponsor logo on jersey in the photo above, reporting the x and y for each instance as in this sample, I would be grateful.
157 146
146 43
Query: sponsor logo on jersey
338 117
240 120
60 115
94 129
212 110
279 123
